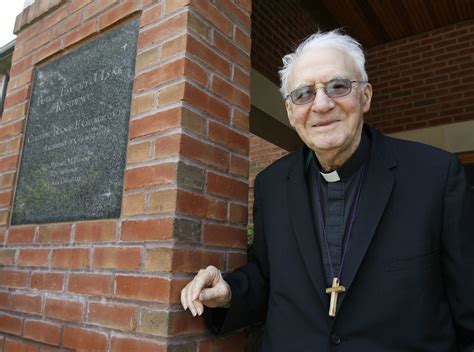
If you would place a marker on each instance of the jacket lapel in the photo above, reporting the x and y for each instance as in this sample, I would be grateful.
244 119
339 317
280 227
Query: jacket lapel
303 225
376 191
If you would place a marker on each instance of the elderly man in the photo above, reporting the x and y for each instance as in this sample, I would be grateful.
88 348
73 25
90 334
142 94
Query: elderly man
361 241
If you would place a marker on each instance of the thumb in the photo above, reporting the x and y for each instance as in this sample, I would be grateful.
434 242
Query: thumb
212 293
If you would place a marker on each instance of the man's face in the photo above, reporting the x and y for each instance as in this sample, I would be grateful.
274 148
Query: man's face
327 124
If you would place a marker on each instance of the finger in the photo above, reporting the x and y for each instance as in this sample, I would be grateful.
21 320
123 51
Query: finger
189 300
183 298
194 290
208 294
199 307
214 276
200 281
217 296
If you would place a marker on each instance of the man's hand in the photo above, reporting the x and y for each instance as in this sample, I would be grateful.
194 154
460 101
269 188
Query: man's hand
208 288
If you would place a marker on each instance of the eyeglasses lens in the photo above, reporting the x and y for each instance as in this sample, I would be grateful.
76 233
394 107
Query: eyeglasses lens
303 95
335 88
338 88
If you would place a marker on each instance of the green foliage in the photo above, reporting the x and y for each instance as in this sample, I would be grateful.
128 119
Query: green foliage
250 254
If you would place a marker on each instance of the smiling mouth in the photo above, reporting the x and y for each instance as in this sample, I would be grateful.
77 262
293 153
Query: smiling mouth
325 123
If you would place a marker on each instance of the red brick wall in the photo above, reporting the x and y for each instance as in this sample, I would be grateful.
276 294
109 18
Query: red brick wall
277 27
113 285
466 158
262 154
424 80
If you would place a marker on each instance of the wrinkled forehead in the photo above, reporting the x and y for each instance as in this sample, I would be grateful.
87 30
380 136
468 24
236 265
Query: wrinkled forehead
321 64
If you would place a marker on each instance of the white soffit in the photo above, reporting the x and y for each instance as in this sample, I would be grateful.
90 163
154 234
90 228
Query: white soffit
455 138
266 96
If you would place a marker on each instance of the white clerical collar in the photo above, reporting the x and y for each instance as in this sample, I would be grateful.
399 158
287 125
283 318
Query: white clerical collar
331 176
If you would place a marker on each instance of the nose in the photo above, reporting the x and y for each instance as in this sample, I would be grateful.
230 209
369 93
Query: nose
322 103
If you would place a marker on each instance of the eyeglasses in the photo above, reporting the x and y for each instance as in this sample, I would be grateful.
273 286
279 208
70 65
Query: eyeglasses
335 88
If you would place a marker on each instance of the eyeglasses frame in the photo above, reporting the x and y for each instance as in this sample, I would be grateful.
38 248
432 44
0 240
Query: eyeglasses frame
324 89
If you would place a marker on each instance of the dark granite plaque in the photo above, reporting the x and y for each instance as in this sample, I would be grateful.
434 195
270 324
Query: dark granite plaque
76 135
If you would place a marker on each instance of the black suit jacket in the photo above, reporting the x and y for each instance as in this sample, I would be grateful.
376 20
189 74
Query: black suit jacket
409 270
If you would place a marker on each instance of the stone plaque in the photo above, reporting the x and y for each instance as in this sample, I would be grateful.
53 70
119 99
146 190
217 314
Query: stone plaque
75 143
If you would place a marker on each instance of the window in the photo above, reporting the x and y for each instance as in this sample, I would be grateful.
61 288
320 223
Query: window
6 53
3 90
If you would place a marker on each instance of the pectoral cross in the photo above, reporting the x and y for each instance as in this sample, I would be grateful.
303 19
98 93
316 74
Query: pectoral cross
334 290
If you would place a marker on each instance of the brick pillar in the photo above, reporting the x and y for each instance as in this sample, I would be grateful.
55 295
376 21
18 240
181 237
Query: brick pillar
113 285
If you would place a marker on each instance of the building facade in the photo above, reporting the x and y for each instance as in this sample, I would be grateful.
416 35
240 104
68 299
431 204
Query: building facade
205 117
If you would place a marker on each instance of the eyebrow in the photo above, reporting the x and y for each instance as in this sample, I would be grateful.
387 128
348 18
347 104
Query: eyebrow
312 85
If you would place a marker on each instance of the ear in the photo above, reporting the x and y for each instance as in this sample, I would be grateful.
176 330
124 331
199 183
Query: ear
289 112
367 97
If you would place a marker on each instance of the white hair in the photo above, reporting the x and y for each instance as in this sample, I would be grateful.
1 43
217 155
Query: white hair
332 39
